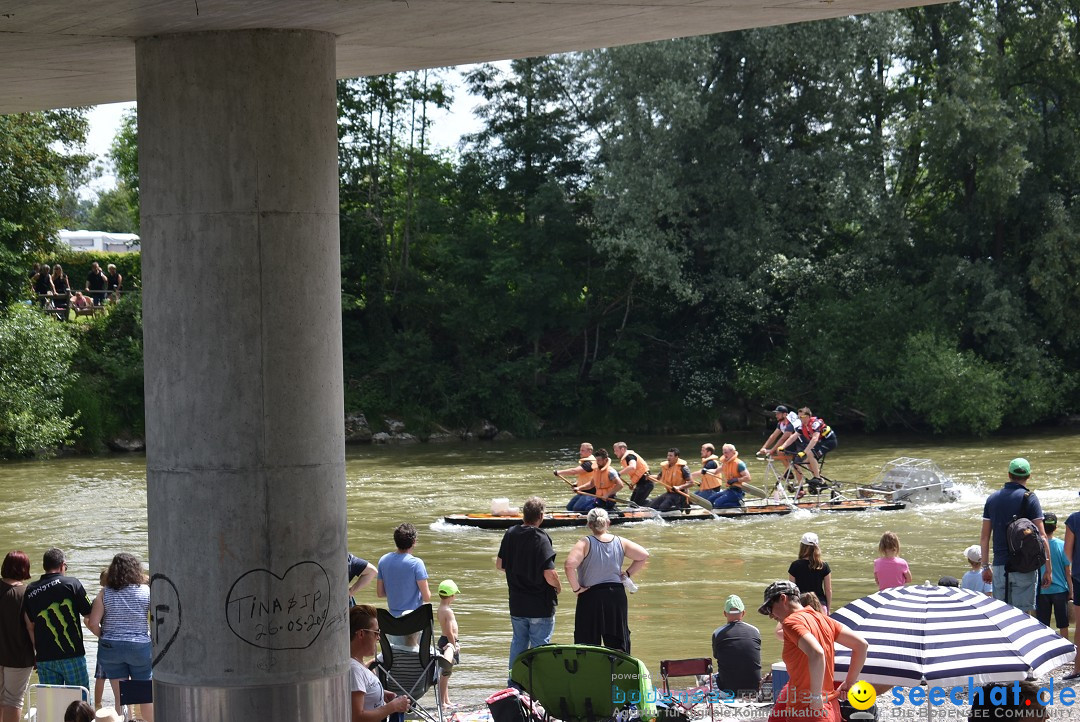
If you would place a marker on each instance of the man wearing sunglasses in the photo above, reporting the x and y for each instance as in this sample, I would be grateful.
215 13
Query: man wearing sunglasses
808 654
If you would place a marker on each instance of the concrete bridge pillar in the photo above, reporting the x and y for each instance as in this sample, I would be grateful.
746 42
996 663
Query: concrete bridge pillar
242 330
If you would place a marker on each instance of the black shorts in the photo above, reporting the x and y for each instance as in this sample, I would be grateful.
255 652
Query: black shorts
1058 602
824 446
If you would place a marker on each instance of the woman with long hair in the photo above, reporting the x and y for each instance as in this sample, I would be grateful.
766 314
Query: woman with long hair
16 648
119 616
62 286
810 573
594 570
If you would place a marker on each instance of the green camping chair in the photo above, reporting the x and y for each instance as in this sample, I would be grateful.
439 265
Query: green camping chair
583 683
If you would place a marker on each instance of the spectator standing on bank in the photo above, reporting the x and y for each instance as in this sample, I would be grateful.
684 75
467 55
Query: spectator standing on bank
1072 553
527 557
1008 503
97 283
973 578
595 574
360 574
119 617
890 569
810 572
114 282
16 649
402 577
62 287
51 609
809 655
1057 596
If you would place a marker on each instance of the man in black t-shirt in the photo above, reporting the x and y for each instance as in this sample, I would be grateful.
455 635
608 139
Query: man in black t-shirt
528 558
363 572
96 283
51 608
737 649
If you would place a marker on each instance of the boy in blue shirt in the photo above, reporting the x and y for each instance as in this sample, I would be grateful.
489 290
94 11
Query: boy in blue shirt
1055 597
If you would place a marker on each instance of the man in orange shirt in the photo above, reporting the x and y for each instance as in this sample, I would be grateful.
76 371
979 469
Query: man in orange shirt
808 654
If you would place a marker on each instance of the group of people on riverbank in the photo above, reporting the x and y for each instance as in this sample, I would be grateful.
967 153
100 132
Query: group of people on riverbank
722 480
402 579
54 290
40 627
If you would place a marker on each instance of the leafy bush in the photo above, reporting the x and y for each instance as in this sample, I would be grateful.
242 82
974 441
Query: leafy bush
35 367
109 396
952 390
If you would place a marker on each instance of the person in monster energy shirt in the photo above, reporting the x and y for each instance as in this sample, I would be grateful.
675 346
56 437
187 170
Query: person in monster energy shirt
52 606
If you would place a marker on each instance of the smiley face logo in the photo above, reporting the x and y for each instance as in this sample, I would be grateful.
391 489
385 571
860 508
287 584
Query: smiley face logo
862 695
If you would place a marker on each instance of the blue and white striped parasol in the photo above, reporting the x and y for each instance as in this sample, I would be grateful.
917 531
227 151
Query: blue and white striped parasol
944 636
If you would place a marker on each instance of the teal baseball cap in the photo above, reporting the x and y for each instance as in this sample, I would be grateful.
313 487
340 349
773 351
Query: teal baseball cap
1020 467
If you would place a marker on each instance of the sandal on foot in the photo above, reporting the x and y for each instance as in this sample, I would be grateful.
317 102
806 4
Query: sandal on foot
1074 675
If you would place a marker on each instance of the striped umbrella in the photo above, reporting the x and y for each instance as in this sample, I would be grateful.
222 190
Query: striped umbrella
944 636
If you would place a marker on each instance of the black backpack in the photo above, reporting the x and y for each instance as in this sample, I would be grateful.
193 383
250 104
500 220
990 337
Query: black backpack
1026 551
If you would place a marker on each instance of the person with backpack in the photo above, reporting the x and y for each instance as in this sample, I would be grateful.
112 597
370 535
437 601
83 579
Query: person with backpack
1013 517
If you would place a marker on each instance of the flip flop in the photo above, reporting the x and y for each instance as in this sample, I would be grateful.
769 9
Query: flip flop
1074 675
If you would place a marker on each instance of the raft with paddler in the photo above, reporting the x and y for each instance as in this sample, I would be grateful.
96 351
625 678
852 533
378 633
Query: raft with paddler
717 491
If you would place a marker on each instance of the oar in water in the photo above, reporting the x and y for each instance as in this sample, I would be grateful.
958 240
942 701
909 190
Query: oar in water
632 505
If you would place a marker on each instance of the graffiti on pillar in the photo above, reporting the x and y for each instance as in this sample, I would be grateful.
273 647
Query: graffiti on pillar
165 614
280 612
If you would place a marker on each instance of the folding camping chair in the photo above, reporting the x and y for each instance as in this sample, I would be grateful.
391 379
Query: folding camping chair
701 666
585 683
410 670
135 692
48 702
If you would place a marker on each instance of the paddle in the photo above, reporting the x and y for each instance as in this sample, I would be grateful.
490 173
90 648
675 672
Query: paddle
745 487
616 499
690 496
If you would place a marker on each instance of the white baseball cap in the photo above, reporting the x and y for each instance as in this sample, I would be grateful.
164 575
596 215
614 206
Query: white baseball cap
810 539
974 553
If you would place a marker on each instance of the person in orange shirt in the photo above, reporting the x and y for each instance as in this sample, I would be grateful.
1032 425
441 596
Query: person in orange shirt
808 654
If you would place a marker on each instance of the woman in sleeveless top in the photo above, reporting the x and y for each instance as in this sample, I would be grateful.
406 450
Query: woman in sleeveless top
62 286
119 616
43 285
594 570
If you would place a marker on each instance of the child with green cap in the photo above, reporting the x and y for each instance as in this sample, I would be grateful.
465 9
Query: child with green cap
449 649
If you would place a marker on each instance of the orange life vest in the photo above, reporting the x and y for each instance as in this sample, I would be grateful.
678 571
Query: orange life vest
672 476
641 470
710 478
729 471
602 482
585 478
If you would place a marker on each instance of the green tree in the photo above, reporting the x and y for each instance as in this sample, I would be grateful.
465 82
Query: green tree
36 355
39 166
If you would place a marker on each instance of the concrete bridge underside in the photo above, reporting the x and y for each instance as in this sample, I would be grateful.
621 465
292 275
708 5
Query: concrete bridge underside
237 142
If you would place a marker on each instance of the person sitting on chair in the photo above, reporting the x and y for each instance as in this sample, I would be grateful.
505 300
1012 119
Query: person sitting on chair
736 646
369 702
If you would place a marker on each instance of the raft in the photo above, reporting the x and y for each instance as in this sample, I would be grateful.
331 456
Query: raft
485 520
584 683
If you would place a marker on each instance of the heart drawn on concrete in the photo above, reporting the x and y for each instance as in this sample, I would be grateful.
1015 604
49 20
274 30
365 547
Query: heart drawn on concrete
279 612
165 617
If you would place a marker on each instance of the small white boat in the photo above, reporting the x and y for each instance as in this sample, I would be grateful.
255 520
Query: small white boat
912 480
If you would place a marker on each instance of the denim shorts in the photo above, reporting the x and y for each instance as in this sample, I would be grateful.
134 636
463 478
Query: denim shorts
121 660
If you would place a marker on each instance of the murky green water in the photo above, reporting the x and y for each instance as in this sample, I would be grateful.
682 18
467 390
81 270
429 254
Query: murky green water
95 507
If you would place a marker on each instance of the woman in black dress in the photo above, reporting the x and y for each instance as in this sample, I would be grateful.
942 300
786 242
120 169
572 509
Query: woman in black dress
62 287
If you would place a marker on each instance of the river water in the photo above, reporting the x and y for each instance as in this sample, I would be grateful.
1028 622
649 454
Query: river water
95 507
